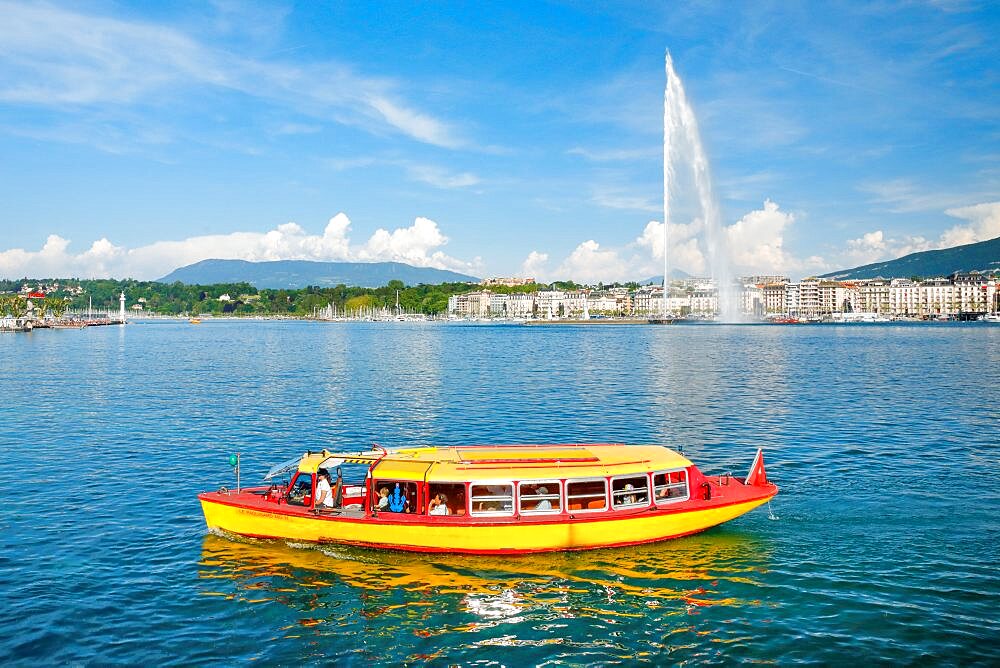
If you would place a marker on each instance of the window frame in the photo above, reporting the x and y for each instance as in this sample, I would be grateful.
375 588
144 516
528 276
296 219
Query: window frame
557 498
674 499
621 492
310 494
405 487
603 481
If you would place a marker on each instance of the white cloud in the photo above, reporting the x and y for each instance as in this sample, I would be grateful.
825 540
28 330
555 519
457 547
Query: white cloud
904 196
684 252
615 155
756 241
616 199
418 245
753 244
56 57
590 264
440 178
535 266
984 223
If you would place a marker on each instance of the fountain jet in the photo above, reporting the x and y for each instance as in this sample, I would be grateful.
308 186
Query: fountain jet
680 125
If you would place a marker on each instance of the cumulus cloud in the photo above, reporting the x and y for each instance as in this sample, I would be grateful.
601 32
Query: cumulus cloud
756 241
683 252
983 223
590 263
753 244
419 245
535 265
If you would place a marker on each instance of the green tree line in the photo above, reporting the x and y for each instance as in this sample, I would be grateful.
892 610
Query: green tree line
243 298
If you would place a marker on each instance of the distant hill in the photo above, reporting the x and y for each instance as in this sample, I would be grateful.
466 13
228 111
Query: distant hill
675 275
294 274
982 256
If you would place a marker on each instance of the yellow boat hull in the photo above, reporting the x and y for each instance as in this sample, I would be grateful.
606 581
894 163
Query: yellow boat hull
454 534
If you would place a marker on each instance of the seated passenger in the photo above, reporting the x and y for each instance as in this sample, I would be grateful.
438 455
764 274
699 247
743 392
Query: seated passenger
383 499
438 505
669 493
324 492
544 504
397 501
629 498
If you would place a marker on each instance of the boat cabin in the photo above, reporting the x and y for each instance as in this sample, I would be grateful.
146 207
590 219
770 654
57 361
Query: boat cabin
495 481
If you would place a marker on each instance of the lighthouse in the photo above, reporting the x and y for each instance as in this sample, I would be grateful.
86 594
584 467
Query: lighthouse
121 307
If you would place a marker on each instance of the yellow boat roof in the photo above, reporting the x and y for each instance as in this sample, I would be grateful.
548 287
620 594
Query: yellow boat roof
505 462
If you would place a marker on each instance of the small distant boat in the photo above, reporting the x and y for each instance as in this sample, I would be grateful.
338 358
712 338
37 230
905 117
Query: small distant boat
195 321
490 499
786 321
991 317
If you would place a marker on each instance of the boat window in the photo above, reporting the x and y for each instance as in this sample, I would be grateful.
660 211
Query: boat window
396 496
587 495
494 499
629 491
452 497
301 492
539 497
670 486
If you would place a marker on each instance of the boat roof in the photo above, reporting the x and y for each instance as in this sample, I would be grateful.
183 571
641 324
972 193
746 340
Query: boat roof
503 462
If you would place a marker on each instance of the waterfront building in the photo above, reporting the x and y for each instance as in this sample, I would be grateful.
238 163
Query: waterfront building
470 304
549 301
773 295
764 279
505 281
960 294
517 305
751 300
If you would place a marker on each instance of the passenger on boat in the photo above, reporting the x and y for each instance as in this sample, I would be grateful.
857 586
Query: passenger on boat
383 499
327 496
669 493
544 504
629 498
324 493
438 505
397 500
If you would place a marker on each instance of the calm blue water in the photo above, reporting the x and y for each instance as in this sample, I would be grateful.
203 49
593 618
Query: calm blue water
884 441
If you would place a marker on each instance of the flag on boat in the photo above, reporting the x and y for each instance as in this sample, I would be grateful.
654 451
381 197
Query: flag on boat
757 475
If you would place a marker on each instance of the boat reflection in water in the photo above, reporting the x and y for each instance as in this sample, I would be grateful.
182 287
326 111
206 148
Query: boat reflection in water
627 603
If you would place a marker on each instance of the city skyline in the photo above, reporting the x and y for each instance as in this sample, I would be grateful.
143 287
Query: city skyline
506 142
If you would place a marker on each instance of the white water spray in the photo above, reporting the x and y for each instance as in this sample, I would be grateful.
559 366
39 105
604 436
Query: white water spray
679 124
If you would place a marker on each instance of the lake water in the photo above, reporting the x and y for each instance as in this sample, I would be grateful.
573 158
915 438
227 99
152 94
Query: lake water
885 545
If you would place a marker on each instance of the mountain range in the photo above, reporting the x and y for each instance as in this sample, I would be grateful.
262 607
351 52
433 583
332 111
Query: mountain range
295 274
982 256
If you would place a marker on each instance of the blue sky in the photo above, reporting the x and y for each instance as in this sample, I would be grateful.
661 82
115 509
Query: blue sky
494 138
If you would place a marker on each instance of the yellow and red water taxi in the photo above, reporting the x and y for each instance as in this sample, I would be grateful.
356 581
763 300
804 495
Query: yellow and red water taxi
501 499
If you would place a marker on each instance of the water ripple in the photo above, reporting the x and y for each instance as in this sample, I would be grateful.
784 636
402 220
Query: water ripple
883 440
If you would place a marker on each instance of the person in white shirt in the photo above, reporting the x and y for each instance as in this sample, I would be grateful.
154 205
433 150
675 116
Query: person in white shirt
544 504
324 492
438 505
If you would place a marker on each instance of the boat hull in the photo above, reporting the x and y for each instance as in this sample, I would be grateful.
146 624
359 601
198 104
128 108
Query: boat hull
461 535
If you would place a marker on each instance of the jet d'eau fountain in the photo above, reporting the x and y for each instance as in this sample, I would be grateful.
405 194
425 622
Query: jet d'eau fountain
681 140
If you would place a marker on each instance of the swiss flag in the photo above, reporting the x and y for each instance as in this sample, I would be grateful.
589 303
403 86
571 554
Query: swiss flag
757 477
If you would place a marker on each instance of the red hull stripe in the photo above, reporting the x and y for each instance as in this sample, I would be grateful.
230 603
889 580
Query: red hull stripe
422 520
